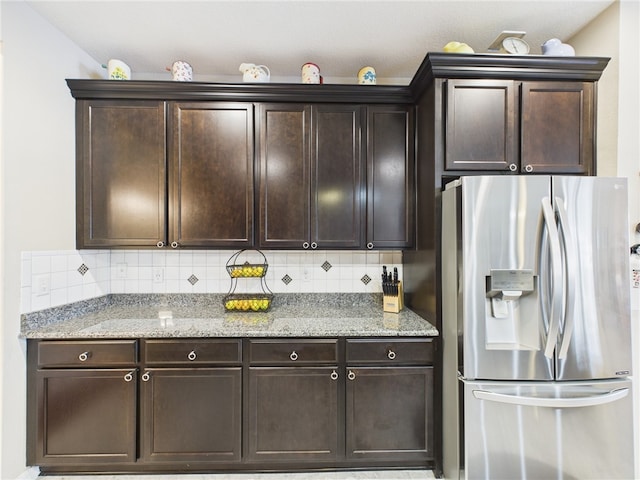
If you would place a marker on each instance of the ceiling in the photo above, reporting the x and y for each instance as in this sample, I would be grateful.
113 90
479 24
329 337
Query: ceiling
341 36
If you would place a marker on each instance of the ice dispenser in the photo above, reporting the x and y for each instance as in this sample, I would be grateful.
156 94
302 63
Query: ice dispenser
506 328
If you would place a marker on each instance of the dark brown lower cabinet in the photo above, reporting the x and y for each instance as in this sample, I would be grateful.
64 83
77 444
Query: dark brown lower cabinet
388 413
207 404
85 416
293 414
191 414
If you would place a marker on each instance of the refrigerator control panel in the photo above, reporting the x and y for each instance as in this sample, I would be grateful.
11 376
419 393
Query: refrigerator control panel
510 284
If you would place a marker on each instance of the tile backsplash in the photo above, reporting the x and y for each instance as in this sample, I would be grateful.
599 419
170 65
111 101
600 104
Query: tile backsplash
53 278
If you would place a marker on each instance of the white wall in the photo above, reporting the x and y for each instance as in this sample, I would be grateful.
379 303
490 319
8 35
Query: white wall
38 155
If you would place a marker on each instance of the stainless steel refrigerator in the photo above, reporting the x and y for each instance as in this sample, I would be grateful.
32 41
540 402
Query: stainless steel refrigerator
536 328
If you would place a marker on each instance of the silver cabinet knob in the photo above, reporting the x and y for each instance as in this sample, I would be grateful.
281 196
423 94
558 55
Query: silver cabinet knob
293 356
314 245
513 167
128 377
146 377
334 375
83 357
305 245
175 244
370 245
351 375
192 355
528 168
160 244
391 354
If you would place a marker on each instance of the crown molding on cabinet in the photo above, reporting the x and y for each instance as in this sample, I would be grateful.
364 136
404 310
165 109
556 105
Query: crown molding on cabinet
513 67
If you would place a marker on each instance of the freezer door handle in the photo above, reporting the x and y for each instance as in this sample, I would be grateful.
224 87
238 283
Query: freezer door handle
601 399
556 273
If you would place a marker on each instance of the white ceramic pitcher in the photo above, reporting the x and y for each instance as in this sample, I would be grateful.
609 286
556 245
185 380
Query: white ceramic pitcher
254 73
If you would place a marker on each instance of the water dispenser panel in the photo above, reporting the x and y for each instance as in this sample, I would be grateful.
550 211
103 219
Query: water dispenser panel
510 284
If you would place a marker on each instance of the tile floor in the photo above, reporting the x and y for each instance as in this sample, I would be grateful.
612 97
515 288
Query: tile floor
350 475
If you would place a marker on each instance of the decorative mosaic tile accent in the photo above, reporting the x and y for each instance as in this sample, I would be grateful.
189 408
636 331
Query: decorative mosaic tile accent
287 279
193 279
326 266
365 279
83 269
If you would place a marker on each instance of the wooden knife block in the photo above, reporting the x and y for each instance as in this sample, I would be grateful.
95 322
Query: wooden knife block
393 304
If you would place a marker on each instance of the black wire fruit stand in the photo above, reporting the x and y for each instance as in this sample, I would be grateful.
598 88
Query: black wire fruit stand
247 302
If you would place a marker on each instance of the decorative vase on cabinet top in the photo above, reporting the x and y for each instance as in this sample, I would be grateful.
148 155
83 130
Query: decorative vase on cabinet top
255 73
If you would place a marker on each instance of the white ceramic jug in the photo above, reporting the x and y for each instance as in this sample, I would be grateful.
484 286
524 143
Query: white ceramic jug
254 73
556 48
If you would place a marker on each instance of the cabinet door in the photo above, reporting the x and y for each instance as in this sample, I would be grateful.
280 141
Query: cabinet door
121 173
191 415
284 153
336 177
211 174
481 125
390 177
293 414
558 127
389 413
85 416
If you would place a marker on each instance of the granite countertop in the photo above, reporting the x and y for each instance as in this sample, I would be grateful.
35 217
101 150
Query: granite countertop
203 315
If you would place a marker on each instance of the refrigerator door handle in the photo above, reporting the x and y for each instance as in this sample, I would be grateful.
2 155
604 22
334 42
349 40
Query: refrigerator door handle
571 269
601 399
556 276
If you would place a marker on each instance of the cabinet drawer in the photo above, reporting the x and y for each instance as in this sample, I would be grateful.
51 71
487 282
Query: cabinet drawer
192 351
292 352
418 351
87 353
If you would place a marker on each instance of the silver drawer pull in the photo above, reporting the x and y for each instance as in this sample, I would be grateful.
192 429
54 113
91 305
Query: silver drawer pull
192 355
334 375
128 377
293 356
146 377
391 354
83 356
351 375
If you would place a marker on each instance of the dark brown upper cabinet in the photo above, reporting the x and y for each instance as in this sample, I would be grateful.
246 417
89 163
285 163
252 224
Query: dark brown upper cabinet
519 127
120 173
211 174
311 183
558 127
390 177
138 186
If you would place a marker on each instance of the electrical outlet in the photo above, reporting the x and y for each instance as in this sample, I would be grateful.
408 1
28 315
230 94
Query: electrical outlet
158 275
42 285
121 270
